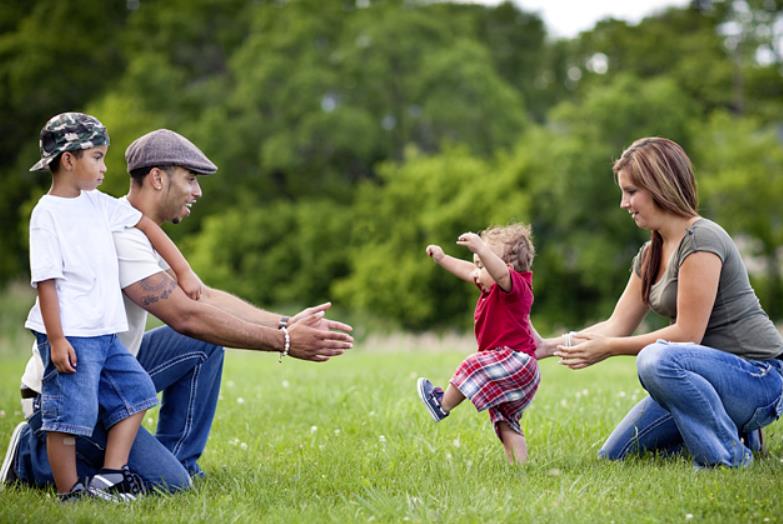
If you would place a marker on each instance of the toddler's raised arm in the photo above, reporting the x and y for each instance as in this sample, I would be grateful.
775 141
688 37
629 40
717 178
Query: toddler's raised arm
462 269
495 265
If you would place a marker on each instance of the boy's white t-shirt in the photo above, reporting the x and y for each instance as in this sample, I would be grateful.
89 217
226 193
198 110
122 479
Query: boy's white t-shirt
71 242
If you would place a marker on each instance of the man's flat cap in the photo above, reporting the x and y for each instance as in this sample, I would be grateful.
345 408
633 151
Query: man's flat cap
166 148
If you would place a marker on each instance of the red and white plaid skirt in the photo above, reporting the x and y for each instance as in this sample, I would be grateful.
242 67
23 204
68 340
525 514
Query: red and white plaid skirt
502 380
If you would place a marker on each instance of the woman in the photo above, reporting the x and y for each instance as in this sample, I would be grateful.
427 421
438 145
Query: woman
716 371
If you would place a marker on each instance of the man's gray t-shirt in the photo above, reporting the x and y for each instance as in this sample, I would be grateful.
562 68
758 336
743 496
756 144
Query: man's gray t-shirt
737 323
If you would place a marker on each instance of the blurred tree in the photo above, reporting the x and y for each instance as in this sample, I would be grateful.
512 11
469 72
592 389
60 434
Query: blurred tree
278 254
738 165
425 200
752 32
682 43
517 43
55 55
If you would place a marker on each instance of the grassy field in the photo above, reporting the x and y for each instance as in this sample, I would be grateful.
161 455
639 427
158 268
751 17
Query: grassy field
348 441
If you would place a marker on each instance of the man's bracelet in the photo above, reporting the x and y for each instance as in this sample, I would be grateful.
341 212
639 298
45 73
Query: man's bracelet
283 322
286 344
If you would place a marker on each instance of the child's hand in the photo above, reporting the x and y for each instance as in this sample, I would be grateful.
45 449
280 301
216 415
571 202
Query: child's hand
63 355
191 284
435 252
471 241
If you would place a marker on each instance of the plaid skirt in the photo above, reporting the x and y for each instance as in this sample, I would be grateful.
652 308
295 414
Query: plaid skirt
503 381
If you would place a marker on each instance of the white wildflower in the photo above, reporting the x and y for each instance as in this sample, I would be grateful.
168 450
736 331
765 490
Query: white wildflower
688 516
456 442
285 384
243 445
382 439
313 429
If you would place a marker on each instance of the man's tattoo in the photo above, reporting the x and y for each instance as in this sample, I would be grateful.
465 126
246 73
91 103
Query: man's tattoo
157 288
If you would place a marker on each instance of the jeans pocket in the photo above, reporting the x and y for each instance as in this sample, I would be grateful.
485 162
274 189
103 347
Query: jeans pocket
764 415
50 407
762 368
50 395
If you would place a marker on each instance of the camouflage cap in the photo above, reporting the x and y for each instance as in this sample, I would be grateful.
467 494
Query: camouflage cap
69 132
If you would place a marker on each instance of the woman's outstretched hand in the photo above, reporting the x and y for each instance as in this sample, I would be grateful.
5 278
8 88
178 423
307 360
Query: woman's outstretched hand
587 349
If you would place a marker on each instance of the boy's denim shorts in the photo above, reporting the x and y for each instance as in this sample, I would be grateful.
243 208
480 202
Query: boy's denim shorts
107 377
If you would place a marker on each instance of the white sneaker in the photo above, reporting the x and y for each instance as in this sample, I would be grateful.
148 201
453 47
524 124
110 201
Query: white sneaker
7 473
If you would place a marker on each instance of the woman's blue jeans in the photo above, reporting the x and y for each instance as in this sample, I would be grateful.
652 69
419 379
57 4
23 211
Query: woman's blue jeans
701 398
187 372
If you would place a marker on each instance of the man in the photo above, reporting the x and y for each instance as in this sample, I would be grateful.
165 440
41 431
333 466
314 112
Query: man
185 357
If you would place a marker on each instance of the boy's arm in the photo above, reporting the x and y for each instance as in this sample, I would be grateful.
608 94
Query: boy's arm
186 278
462 269
63 355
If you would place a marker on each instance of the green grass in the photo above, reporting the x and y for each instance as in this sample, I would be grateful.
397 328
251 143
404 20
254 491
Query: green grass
348 441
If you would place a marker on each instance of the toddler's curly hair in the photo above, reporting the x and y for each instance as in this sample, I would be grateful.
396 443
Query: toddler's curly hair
515 243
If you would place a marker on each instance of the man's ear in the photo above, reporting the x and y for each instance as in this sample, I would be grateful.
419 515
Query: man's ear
156 178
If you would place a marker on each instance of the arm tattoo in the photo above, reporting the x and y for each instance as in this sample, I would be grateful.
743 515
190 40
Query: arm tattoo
156 288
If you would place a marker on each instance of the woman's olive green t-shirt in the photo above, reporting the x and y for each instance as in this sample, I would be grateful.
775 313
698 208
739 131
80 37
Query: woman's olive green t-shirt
737 323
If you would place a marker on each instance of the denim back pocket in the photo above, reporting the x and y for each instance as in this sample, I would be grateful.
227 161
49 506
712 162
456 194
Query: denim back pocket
770 413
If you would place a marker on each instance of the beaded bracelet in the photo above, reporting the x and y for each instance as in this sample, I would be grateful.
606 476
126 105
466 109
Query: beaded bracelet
286 344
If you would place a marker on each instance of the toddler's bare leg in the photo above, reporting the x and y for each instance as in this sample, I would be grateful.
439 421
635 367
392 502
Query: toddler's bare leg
61 451
514 444
120 440
452 398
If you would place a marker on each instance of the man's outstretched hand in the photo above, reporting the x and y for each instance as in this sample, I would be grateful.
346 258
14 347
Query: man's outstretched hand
314 337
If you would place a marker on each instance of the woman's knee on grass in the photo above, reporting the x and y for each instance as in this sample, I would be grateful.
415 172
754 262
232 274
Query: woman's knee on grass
651 360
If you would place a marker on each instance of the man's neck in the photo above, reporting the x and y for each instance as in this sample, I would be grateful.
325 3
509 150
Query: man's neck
143 203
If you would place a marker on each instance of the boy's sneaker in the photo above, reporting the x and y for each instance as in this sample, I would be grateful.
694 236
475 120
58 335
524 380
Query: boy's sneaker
116 485
8 473
432 397
77 491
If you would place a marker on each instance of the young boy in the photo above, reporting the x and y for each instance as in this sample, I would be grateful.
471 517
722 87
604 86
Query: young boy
79 309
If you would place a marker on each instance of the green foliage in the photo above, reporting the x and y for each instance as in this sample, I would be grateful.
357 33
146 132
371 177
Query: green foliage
425 200
351 134
734 157
283 252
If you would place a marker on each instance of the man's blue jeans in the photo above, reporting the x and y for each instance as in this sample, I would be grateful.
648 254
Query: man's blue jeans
701 398
188 373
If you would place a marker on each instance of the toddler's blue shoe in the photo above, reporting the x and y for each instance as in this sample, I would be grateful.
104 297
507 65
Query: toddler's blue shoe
432 397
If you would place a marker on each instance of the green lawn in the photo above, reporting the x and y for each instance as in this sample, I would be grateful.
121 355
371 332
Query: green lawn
349 441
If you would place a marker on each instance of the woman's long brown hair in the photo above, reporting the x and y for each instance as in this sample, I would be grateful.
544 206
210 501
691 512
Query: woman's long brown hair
661 167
